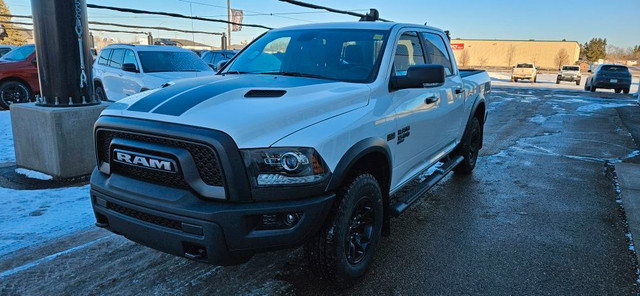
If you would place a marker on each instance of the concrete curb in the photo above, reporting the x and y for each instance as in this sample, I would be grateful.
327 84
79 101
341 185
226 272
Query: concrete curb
629 180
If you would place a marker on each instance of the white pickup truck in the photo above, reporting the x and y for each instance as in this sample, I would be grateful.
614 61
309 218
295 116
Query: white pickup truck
306 137
524 71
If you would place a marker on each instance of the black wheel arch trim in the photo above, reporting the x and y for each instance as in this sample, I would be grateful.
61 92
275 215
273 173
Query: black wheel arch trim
355 153
17 79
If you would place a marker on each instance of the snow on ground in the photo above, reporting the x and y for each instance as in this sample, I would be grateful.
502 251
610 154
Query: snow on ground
33 174
549 81
30 217
6 138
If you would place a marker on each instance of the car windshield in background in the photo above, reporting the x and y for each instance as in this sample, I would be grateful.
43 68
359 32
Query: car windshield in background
339 54
20 53
524 66
171 61
615 68
571 68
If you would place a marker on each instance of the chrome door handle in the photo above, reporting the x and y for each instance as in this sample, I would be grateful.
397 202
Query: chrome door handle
431 100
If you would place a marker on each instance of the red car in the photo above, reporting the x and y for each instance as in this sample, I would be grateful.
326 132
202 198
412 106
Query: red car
18 76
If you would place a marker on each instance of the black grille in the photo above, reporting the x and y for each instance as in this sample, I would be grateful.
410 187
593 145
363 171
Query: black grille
164 222
204 156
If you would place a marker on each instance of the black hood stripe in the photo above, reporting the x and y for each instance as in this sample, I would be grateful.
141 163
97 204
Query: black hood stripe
180 99
153 100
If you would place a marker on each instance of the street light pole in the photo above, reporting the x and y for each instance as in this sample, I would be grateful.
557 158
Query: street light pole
229 25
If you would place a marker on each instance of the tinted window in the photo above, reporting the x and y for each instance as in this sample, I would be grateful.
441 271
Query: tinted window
171 61
219 57
337 54
408 53
615 68
104 57
4 51
130 58
207 58
117 58
524 66
436 52
20 54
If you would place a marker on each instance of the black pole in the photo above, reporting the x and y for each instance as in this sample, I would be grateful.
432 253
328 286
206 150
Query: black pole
62 49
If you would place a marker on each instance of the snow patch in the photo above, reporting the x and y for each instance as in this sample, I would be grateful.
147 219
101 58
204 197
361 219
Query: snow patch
33 174
595 107
538 119
7 153
30 217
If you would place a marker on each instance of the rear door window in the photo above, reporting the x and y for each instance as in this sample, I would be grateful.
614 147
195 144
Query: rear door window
116 58
436 52
207 57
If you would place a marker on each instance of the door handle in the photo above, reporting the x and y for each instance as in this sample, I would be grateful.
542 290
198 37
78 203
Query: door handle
459 91
431 100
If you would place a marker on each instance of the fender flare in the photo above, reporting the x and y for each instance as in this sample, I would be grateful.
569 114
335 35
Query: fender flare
355 153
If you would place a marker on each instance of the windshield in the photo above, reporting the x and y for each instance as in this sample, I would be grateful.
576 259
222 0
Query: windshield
351 55
171 61
20 54
524 66
571 68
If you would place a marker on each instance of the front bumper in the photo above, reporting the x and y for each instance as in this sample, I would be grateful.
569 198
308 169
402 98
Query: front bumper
178 222
522 77
569 78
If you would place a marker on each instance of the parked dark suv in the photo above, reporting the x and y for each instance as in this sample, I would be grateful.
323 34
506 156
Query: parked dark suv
616 77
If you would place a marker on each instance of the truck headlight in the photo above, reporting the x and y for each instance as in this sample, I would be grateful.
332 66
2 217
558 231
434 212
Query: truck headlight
284 166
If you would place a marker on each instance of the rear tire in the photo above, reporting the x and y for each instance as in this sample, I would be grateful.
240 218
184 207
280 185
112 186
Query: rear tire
617 90
626 90
342 251
469 147
557 81
12 92
592 88
577 82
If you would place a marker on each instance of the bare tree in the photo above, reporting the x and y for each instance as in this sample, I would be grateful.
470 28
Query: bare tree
511 54
617 54
483 61
562 58
464 58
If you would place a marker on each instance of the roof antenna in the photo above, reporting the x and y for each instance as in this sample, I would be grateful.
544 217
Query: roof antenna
372 16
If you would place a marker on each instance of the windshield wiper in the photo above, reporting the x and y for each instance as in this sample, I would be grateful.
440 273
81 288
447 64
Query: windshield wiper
296 74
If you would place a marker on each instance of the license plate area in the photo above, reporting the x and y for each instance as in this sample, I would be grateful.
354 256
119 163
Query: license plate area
614 80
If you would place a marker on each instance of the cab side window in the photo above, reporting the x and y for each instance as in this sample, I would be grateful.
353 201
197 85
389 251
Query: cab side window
408 53
436 52
130 58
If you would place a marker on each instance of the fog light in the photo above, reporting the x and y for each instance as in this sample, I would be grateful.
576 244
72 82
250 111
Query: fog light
291 219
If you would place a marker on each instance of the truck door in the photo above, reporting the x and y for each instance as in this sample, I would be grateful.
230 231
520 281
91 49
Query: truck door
418 122
452 96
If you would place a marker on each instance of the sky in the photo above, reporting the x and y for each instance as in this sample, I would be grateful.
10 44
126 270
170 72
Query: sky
574 20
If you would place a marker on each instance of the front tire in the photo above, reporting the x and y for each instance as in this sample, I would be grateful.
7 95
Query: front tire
626 90
617 90
592 88
12 92
469 147
100 94
342 251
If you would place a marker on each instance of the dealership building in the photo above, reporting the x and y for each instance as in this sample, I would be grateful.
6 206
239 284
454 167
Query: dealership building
507 53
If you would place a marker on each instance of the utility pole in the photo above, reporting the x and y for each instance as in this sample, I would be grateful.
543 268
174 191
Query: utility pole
229 25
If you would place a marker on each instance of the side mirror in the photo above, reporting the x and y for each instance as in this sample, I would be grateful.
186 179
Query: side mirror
213 67
130 68
419 76
221 64
34 62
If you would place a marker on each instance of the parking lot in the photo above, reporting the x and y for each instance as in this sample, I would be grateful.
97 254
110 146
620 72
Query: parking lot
538 216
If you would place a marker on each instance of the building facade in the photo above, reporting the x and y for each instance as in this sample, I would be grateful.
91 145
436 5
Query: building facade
507 53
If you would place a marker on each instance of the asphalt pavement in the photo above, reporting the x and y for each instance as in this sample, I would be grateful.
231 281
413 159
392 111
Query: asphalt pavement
539 215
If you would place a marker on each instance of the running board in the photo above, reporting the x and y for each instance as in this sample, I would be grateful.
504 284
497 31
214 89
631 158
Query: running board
402 203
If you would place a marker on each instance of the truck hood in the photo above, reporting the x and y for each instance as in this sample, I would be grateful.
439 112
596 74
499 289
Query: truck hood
255 110
170 76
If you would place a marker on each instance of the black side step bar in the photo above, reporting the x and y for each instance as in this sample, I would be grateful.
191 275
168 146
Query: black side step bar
402 203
